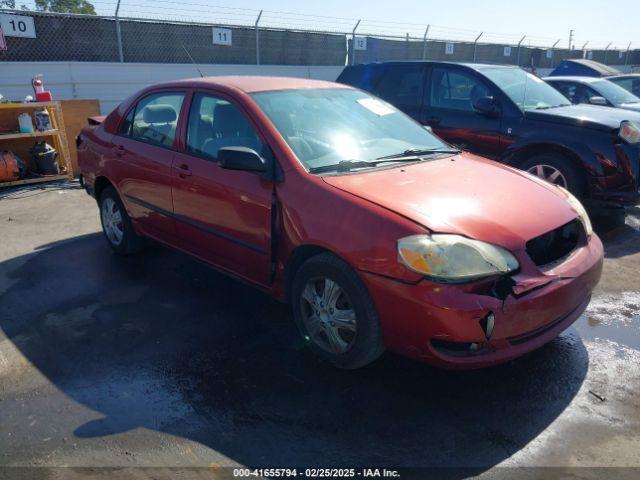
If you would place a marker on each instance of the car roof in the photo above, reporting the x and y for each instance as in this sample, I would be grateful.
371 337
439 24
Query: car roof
570 78
626 75
252 84
473 66
601 68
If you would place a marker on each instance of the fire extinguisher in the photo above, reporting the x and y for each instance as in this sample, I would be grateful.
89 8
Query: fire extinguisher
42 95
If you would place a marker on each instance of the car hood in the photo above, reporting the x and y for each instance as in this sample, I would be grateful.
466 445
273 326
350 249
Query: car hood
465 195
590 116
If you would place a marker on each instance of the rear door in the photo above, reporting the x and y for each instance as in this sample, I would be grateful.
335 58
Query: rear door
449 110
144 147
402 85
222 216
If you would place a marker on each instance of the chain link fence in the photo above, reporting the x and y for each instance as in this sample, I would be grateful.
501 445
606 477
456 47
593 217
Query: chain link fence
87 38
381 49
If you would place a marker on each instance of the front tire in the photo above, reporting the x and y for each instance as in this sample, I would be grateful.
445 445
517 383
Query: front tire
116 224
555 169
335 313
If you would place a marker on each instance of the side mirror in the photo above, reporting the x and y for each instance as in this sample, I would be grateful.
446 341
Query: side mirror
598 101
486 106
241 158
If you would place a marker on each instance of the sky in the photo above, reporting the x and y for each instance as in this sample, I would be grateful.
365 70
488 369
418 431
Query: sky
543 21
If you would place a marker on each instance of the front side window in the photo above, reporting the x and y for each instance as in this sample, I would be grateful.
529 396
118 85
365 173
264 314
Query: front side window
214 123
326 126
154 119
584 94
527 91
402 85
455 89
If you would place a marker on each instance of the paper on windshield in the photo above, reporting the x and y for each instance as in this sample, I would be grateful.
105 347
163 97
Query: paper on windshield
376 106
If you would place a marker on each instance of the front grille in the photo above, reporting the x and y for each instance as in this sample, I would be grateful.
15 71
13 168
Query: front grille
556 244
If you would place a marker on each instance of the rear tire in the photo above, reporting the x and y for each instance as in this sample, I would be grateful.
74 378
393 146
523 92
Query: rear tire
556 169
116 224
335 313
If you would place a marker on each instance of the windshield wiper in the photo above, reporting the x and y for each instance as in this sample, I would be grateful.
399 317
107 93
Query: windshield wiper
416 153
348 165
553 106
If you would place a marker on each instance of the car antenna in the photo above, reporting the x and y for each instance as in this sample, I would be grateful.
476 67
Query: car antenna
192 60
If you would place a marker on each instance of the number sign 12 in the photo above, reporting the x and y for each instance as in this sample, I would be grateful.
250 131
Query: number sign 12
360 43
222 36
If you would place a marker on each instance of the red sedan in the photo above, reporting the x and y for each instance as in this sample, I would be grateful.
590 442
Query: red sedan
378 233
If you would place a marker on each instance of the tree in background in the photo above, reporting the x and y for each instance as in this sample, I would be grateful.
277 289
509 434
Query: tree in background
8 4
64 6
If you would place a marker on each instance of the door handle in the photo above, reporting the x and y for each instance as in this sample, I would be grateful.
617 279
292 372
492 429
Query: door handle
184 171
433 121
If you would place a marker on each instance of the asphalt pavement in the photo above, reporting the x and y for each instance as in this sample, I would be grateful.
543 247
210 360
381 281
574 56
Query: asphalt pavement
156 366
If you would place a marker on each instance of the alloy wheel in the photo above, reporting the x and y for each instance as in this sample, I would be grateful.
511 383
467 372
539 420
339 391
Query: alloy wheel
550 174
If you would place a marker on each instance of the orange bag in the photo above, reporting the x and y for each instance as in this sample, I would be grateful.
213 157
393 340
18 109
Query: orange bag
9 167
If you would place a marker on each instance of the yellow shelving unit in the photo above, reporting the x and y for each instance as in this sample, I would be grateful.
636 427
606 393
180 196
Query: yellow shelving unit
56 134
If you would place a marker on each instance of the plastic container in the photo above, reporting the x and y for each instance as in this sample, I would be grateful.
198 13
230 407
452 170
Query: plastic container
43 120
44 155
25 123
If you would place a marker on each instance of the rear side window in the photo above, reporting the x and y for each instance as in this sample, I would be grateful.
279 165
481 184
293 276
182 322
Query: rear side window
567 89
215 123
402 85
455 89
154 119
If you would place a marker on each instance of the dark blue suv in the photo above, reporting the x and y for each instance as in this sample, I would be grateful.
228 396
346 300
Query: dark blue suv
512 116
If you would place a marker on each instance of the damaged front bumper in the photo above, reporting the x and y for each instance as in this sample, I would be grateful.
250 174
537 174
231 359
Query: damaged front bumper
620 185
448 325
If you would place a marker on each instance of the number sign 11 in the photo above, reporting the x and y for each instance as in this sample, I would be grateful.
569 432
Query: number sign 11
222 36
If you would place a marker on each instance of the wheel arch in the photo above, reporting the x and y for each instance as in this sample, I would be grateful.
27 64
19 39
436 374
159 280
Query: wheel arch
517 157
296 259
99 184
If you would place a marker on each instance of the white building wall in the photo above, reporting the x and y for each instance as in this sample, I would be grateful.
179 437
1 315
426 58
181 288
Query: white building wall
111 83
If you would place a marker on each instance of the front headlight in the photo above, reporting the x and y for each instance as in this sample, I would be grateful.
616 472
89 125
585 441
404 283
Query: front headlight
630 131
453 258
579 209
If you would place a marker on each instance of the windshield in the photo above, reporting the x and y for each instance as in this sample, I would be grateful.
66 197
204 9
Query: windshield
614 93
326 126
526 90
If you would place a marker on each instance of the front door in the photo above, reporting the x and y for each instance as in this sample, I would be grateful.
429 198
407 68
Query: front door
449 112
222 216
144 148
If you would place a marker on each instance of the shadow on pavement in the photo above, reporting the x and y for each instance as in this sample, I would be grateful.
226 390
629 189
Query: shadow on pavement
162 342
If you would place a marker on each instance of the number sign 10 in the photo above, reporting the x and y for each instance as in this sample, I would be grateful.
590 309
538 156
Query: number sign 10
17 26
